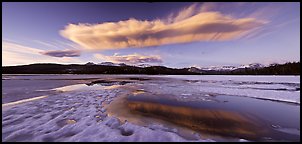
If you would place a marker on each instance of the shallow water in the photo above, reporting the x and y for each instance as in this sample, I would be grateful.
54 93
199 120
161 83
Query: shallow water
230 116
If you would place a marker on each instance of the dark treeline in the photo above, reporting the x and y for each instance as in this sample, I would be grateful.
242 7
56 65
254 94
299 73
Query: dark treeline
277 69
91 69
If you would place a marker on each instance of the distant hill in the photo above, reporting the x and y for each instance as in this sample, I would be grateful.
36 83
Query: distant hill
90 68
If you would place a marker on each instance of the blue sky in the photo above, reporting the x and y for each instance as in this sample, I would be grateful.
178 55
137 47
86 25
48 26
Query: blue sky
169 34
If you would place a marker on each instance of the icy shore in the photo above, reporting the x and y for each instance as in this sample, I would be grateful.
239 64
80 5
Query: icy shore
79 112
76 116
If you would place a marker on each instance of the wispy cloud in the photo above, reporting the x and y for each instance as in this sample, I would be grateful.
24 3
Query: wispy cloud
130 59
45 44
57 44
62 53
17 54
193 23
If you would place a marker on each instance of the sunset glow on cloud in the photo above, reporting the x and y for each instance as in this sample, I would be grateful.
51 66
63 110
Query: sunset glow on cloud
189 25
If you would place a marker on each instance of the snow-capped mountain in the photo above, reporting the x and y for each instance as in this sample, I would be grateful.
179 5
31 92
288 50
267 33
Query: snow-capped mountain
218 68
194 69
108 64
122 64
225 68
191 69
111 64
252 66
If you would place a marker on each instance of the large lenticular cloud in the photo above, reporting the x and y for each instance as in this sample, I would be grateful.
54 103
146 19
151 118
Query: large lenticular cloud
189 25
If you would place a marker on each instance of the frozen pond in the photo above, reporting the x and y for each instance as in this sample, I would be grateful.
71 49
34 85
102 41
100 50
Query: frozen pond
150 108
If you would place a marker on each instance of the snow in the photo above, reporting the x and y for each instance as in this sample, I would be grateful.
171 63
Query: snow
280 88
78 112
243 140
226 67
22 101
243 78
77 115
78 87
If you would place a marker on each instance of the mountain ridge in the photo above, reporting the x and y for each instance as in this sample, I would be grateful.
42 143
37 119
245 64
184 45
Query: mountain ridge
91 68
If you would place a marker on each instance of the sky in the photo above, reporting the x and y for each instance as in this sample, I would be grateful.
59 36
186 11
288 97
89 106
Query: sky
169 34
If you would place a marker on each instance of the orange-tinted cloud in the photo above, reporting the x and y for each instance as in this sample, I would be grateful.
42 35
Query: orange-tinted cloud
130 59
190 24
